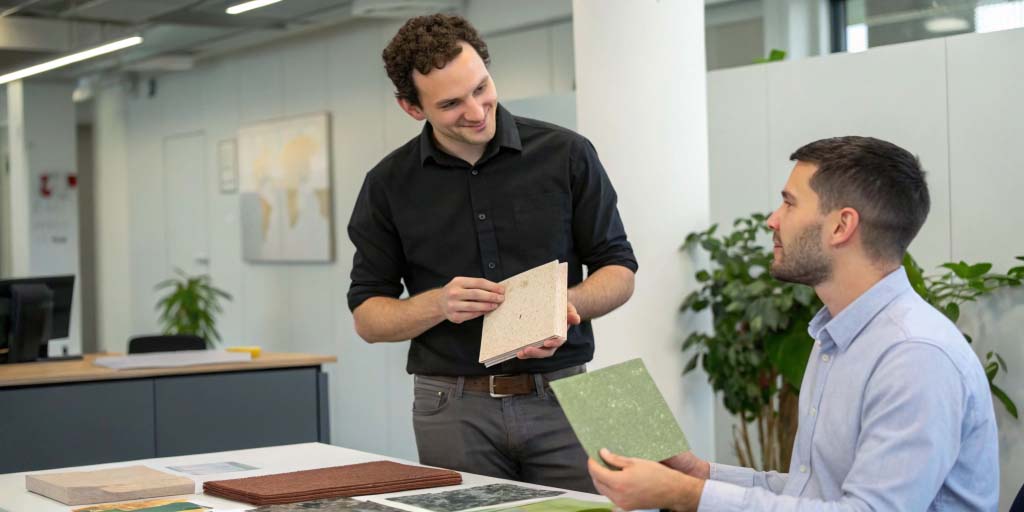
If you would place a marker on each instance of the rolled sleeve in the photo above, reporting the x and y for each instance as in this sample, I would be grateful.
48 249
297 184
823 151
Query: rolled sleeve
378 261
746 477
598 233
743 477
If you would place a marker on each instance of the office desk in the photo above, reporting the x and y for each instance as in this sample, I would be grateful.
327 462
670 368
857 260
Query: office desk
69 413
278 459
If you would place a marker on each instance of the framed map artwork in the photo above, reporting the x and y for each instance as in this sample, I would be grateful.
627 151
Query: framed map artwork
285 190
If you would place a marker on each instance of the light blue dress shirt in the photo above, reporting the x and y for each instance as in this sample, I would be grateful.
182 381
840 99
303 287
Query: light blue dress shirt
895 414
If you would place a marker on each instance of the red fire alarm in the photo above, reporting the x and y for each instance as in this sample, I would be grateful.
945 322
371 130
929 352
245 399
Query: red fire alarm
72 180
44 185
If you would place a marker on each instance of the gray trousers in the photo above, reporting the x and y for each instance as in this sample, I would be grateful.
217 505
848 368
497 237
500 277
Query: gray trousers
525 437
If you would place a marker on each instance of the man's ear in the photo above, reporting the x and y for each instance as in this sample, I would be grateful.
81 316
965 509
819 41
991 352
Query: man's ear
414 111
846 226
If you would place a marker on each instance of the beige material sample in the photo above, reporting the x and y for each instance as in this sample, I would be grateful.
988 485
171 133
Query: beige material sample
101 485
534 311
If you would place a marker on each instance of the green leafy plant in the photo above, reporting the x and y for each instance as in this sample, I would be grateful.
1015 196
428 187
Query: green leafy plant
774 56
758 349
964 283
190 305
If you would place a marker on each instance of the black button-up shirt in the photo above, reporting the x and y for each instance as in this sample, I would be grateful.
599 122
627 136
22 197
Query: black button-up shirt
423 217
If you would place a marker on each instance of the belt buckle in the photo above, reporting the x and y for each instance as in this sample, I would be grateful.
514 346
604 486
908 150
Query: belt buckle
491 388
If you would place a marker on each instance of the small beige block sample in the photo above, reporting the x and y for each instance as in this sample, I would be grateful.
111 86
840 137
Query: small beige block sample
102 485
533 312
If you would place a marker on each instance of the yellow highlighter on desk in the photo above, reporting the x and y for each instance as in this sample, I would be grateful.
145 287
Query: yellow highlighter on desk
253 351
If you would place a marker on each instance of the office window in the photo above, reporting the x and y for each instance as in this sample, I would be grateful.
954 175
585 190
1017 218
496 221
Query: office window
866 24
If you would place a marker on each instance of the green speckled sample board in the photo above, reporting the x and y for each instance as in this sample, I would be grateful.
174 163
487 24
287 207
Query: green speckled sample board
558 505
621 409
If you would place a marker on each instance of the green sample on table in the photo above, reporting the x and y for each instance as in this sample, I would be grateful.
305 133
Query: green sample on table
621 409
558 505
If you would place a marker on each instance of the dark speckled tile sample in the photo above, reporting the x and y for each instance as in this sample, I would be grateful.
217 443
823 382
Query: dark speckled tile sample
620 408
482 496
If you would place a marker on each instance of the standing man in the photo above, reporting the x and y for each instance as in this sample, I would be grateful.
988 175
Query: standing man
895 409
479 196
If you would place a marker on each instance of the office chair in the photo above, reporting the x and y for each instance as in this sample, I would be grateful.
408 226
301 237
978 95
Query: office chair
165 343
1018 502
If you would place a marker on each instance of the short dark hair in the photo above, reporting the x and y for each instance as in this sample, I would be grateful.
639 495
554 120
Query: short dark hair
882 181
425 43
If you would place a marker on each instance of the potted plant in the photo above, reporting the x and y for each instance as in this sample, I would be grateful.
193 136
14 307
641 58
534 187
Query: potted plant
758 349
961 283
190 306
759 345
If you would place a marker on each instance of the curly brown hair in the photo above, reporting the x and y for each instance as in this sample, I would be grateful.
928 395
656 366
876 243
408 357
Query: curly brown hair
425 43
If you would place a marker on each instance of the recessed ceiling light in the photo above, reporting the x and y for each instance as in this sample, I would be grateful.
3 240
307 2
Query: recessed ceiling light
946 24
248 6
70 59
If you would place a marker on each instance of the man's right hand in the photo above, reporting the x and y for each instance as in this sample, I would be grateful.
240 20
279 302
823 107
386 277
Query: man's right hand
689 464
466 298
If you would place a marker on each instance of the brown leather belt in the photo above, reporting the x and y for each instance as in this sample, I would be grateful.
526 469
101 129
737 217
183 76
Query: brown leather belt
502 385
499 386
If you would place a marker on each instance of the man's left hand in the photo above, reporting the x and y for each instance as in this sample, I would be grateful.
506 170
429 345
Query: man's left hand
550 346
644 484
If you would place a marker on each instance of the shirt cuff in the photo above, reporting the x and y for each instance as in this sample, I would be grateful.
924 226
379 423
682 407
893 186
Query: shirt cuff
722 497
743 477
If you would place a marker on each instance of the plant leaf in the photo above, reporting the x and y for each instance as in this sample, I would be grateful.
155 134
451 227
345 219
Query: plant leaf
1005 399
952 311
691 364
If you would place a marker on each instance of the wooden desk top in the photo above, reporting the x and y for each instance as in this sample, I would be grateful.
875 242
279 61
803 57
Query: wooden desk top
83 370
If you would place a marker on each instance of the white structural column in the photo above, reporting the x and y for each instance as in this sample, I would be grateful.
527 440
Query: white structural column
641 100
43 192
112 219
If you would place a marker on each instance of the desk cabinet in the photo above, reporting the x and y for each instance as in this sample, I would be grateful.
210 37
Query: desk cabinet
75 424
79 423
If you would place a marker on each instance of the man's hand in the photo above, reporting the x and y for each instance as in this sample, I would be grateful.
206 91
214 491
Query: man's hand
644 484
690 464
466 298
550 346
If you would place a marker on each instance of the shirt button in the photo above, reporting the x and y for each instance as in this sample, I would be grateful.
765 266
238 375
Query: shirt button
474 172
481 216
825 358
491 265
814 411
803 468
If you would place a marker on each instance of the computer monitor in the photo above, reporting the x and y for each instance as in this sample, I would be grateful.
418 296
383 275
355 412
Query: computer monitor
33 311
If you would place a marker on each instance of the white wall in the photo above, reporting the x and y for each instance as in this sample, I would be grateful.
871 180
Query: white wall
954 102
648 123
298 308
43 227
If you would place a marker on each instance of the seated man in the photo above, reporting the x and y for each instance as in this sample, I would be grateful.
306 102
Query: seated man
895 409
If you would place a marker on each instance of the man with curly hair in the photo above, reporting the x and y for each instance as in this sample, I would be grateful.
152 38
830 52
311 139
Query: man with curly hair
479 196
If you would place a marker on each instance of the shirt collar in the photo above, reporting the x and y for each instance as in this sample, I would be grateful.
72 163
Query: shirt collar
506 135
844 328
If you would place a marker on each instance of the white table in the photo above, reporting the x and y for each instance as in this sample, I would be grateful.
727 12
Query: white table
276 459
